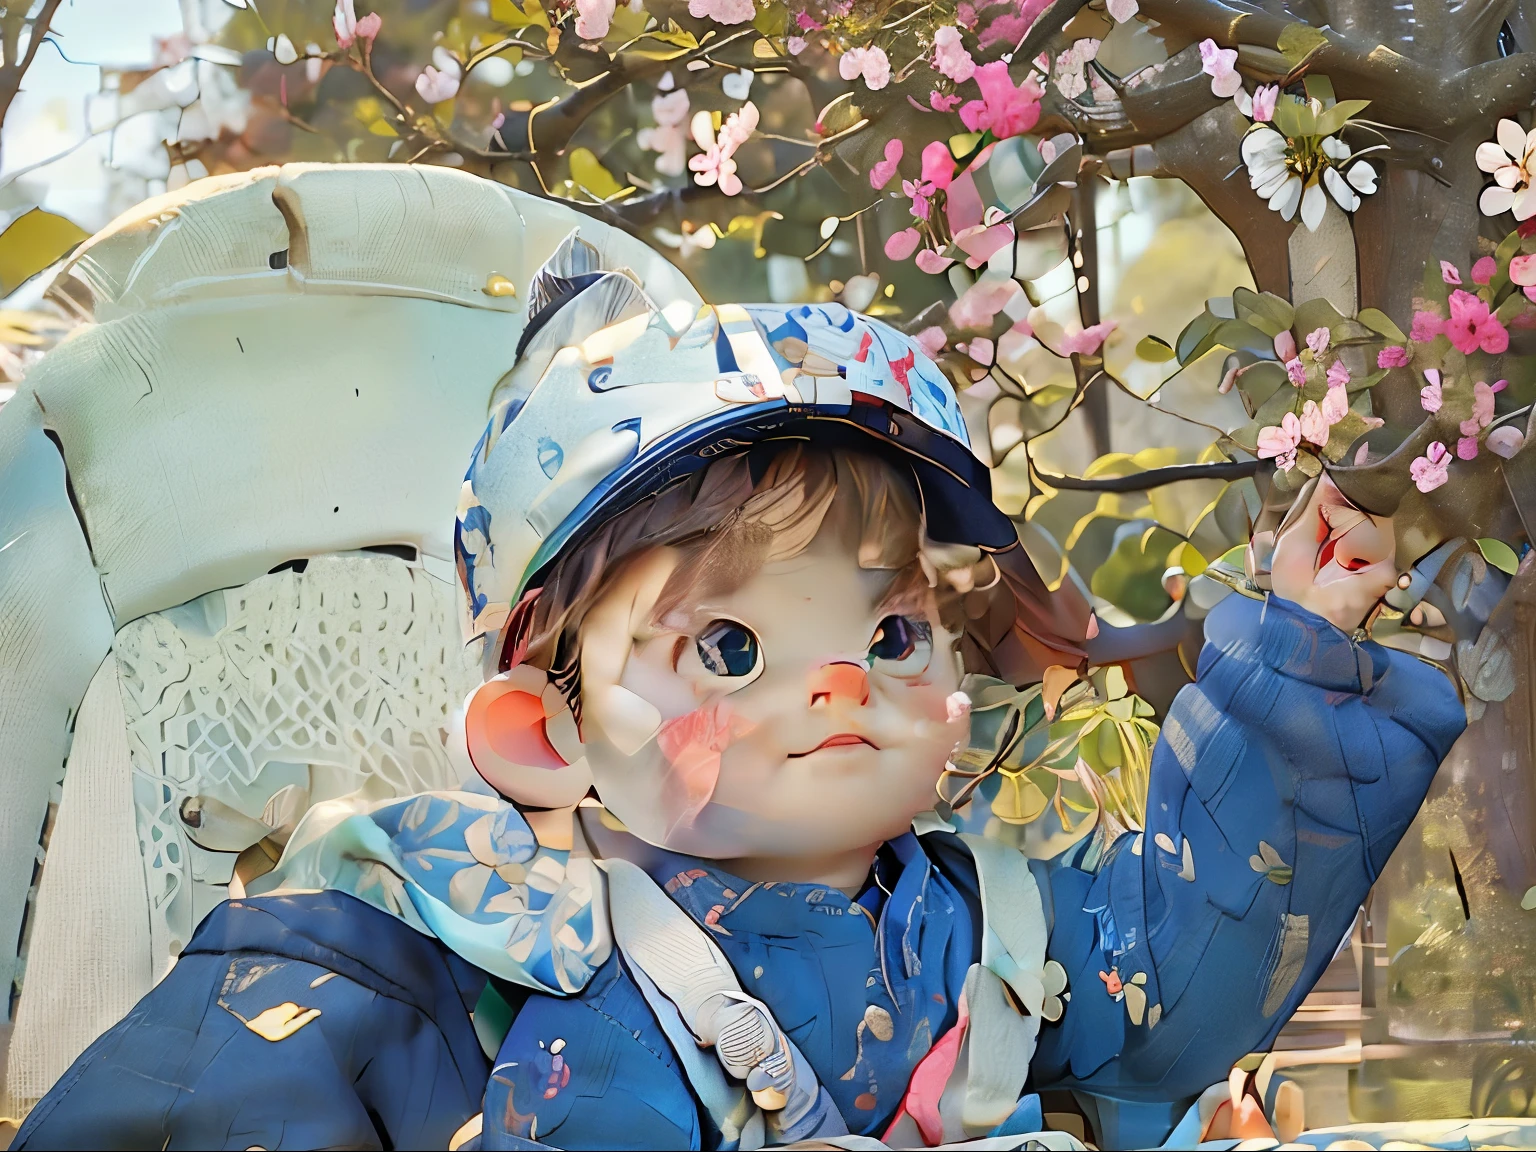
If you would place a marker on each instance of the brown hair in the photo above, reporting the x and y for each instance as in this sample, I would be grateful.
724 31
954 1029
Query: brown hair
747 510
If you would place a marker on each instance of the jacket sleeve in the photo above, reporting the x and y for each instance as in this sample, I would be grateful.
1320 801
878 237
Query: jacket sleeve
590 1071
1282 781
265 1035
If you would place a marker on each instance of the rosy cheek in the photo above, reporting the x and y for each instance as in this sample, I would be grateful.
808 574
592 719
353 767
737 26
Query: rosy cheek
693 745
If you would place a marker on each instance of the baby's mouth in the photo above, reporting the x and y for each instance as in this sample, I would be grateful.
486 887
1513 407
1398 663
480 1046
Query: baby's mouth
841 740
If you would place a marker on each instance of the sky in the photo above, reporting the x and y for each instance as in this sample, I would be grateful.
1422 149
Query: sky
49 116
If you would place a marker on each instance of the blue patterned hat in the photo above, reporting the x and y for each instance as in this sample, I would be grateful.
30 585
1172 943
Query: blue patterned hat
616 395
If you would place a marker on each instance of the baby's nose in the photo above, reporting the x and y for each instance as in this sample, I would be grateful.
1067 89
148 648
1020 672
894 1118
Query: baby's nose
839 680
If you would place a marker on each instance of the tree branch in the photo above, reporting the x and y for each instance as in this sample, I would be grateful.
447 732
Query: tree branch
11 74
1404 91
1153 477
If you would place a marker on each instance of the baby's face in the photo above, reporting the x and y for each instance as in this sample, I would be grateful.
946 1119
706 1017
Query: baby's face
806 713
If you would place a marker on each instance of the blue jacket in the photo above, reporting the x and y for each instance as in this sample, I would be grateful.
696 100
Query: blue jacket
1282 781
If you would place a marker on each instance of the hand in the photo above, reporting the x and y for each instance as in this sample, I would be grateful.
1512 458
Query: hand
1334 559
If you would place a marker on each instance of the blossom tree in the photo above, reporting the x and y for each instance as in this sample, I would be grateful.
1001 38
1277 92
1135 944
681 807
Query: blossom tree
939 165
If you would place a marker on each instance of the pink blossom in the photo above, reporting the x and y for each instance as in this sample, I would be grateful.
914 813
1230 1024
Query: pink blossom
1086 341
1338 375
1430 396
1280 443
1505 441
938 165
668 138
982 240
919 192
1220 64
1392 356
870 63
1285 345
1071 65
439 83
880 175
957 706
902 244
1449 273
739 126
1472 326
1335 405
980 350
1264 98
1004 110
1010 27
1466 448
1432 469
594 18
1317 340
932 341
1426 326
349 29
931 262
795 44
942 103
722 11
1314 425
1296 372
1482 410
983 300
716 163
1522 271
806 22
950 56
1483 271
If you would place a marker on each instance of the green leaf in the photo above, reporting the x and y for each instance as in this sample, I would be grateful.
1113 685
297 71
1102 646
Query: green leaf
1343 434
1333 119
33 241
588 172
1499 554
515 16
1378 321
1314 314
1273 409
1132 577
1288 116
1261 381
1188 557
1513 305
1194 333
1319 88
1154 349
771 21
963 144
1507 248
1348 331
1306 119
1264 310
1298 43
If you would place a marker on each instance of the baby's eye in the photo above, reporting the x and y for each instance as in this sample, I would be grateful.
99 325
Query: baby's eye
901 646
727 648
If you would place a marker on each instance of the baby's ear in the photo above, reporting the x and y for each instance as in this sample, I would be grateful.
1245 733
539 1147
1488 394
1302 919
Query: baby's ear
522 740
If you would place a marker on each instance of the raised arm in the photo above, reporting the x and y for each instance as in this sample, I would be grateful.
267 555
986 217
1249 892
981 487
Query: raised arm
1284 778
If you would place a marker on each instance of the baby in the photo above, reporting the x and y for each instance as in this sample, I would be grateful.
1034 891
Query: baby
732 569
